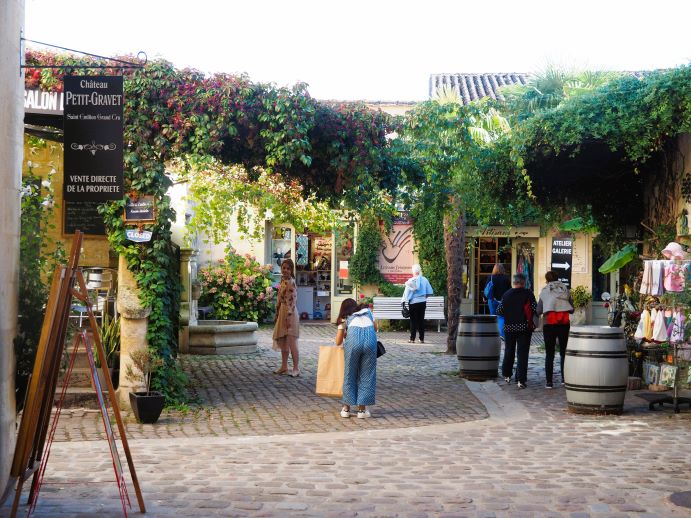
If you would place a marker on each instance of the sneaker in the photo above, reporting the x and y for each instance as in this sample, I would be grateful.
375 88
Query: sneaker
521 385
549 385
507 380
363 414
345 413
422 341
563 384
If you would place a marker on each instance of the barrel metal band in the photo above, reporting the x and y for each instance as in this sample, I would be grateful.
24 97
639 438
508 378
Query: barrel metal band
593 336
478 358
595 388
596 354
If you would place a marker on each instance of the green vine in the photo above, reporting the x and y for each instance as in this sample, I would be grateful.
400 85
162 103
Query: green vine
364 265
38 257
601 142
428 231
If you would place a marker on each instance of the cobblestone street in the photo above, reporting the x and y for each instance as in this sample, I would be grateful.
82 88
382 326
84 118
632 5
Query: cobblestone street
435 446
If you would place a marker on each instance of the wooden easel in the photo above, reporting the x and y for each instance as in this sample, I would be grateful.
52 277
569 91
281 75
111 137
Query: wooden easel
31 439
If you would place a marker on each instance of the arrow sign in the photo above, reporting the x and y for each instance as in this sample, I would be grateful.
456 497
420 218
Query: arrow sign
564 266
562 258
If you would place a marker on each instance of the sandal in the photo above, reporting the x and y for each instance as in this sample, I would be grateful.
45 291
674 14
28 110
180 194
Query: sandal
281 371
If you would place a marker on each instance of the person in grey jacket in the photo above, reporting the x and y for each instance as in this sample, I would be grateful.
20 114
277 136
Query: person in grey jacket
556 304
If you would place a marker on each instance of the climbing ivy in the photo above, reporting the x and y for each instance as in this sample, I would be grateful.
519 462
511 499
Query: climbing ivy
364 265
428 231
601 143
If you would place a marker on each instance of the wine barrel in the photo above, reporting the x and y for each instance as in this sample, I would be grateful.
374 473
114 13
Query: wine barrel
478 347
596 370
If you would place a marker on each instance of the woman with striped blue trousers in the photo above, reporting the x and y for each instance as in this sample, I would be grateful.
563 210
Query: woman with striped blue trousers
357 331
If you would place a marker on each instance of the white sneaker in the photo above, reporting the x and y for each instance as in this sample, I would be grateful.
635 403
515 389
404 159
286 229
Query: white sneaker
363 414
507 380
345 413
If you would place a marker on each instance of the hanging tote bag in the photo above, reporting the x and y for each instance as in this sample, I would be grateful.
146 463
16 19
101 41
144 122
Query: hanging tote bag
330 368
405 311
489 290
381 350
532 319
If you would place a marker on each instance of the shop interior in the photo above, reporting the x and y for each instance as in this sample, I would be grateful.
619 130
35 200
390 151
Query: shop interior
517 257
312 255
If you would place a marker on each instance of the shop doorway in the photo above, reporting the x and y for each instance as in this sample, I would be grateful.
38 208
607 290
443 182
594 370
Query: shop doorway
313 276
488 251
312 255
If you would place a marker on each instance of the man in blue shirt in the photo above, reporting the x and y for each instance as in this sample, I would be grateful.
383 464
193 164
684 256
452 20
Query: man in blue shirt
417 289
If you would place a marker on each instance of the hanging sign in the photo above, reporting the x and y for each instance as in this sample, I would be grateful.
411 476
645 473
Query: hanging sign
562 258
140 210
138 236
93 123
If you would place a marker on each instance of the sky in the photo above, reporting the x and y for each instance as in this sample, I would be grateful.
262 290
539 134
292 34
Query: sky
376 50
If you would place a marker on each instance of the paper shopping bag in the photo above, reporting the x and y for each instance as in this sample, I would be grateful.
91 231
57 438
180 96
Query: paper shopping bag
330 371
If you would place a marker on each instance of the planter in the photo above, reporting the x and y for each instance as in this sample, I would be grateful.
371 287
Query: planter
579 317
223 337
147 406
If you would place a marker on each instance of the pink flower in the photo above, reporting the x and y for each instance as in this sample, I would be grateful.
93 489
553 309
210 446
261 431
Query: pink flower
250 295
242 308
236 287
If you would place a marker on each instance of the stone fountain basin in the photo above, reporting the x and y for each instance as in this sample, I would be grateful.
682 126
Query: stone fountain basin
223 337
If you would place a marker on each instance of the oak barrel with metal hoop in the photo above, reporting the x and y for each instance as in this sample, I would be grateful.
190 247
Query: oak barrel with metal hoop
478 347
596 370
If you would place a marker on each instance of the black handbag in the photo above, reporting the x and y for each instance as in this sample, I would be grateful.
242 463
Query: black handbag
404 310
381 351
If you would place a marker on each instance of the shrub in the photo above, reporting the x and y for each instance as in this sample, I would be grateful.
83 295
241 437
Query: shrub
238 288
581 297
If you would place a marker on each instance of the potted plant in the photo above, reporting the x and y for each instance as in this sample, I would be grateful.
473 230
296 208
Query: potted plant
146 405
110 340
581 299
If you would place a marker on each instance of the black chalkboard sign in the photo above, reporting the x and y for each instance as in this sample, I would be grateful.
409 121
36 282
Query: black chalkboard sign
140 210
84 216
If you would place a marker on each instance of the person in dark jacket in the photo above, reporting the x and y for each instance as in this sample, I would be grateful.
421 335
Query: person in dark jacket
518 307
500 285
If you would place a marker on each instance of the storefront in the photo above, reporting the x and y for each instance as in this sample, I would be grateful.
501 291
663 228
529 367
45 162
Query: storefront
321 267
524 250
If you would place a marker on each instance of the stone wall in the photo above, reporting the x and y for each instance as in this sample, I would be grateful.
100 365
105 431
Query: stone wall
11 128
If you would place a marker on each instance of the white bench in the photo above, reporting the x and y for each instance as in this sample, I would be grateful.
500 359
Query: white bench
389 308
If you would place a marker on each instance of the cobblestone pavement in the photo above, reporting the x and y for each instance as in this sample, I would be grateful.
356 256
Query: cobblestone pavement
240 395
529 458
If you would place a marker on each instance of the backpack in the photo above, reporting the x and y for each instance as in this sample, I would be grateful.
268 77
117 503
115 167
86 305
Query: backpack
489 289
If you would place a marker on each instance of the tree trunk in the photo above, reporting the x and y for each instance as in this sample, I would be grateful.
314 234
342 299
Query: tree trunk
454 243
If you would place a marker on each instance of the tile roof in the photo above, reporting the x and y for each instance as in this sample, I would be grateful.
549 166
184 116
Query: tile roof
472 87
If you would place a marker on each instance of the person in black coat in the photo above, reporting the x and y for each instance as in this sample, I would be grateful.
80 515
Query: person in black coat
517 306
